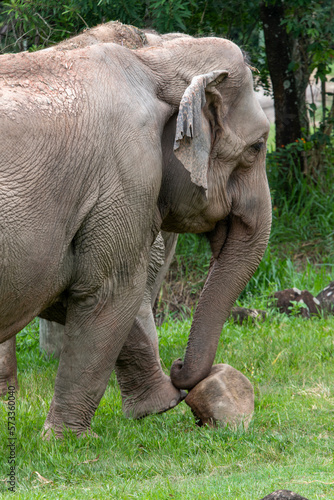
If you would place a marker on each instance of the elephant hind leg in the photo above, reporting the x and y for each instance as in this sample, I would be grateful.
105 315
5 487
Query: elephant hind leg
8 365
145 389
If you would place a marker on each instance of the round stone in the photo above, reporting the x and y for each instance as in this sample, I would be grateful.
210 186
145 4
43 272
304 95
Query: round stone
226 396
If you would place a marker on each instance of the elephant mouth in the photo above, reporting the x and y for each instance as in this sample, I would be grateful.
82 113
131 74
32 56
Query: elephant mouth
218 236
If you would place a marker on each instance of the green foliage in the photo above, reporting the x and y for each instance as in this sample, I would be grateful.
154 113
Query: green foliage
285 168
28 24
170 15
306 212
313 21
27 348
296 307
49 21
34 24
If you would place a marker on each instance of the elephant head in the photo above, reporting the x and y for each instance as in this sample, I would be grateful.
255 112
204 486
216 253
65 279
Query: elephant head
214 177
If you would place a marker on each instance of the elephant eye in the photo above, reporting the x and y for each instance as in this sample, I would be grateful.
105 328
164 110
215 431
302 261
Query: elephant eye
257 146
252 152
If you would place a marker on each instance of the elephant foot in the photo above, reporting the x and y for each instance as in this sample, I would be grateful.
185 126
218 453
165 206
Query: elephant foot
6 383
52 428
145 388
147 400
63 418
48 432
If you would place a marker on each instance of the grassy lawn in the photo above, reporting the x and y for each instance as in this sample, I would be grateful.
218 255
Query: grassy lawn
289 444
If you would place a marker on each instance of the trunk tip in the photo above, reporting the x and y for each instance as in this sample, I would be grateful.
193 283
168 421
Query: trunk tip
181 377
184 378
176 373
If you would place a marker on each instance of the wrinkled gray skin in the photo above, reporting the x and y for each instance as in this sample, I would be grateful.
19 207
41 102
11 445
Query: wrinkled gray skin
94 130
155 382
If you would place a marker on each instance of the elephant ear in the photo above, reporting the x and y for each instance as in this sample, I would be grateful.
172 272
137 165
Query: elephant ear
193 133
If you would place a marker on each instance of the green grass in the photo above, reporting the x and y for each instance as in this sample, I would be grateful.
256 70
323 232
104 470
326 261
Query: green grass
290 442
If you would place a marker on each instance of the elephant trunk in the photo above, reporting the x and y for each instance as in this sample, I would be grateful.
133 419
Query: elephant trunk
228 275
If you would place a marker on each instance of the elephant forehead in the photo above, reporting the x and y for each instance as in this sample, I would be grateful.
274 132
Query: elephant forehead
247 118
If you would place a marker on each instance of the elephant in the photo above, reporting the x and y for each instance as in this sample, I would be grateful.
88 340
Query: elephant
52 333
123 144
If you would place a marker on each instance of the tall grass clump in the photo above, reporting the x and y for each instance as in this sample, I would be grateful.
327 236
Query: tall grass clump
303 202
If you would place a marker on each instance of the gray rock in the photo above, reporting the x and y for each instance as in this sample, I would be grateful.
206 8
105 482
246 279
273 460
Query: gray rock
241 314
283 495
326 298
226 396
284 302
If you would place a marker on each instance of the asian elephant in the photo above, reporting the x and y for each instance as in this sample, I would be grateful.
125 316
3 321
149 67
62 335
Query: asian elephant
123 143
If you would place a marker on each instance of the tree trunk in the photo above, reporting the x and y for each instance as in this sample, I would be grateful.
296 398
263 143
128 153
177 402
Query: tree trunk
50 337
279 55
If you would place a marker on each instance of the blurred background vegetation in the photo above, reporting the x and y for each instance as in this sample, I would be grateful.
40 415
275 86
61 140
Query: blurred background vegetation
289 43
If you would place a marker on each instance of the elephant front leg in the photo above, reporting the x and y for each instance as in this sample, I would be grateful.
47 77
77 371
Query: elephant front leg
95 331
8 365
145 389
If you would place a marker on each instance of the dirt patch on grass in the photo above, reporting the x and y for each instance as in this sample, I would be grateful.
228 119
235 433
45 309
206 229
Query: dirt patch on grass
180 290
